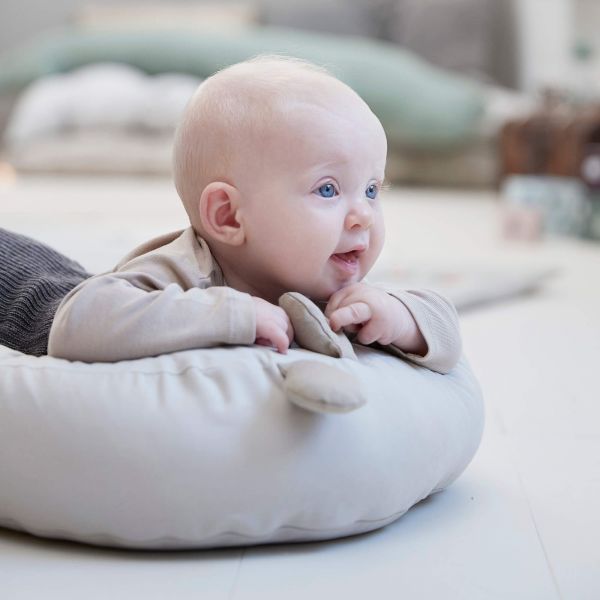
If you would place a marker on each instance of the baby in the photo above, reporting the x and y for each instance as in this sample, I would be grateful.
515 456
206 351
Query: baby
280 167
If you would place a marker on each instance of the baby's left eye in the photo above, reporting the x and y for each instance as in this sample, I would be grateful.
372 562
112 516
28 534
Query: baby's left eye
372 191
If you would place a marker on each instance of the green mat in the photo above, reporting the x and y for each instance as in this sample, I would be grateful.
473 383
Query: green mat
420 106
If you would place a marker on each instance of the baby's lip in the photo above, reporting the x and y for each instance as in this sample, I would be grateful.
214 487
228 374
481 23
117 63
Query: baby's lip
355 249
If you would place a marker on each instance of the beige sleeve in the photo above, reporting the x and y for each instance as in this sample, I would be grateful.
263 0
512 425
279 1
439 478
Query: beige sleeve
437 320
128 315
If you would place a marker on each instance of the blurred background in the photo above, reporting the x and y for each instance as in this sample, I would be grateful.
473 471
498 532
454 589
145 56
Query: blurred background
483 94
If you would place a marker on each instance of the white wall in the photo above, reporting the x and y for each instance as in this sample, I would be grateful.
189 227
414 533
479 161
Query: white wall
547 33
587 28
544 32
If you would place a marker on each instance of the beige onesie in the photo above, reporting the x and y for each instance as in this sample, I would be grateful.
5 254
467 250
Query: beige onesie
169 294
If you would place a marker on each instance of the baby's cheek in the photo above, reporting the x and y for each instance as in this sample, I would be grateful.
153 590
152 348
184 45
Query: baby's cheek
369 262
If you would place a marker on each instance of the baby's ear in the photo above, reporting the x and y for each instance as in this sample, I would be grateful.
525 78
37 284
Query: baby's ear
219 206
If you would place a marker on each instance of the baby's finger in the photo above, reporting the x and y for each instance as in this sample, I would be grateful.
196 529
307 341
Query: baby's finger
279 339
336 299
370 333
358 312
282 343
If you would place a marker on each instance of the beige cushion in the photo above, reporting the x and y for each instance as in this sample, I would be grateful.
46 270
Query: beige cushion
203 448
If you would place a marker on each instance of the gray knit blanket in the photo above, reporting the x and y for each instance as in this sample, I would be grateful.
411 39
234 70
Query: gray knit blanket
34 278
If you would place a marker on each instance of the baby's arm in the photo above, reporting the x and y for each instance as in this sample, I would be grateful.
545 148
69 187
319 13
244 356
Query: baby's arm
436 323
108 318
419 325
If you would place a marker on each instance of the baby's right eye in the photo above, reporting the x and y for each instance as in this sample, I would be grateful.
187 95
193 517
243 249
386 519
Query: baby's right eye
327 190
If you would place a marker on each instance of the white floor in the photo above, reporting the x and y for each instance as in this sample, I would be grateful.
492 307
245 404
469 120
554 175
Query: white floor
522 520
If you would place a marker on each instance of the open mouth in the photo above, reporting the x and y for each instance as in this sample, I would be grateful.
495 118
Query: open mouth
349 257
347 261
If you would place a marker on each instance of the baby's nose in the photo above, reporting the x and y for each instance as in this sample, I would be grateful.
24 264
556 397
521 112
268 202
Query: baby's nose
360 215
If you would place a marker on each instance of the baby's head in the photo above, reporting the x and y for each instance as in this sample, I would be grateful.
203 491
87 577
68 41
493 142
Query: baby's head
279 166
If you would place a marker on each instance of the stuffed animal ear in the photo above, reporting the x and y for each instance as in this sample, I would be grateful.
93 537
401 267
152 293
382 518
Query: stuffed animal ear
322 388
311 327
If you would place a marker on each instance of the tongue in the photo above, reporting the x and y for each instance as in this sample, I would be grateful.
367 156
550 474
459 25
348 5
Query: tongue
346 255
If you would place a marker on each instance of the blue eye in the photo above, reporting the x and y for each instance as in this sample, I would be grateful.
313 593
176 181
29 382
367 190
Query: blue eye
372 191
327 190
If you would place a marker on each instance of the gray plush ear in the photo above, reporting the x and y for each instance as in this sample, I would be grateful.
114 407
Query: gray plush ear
311 327
322 388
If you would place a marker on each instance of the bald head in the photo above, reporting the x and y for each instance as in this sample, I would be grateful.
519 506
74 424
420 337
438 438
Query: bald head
233 116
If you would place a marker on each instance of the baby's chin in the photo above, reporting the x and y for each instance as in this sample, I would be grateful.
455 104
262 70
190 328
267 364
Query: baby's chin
320 289
323 294
317 294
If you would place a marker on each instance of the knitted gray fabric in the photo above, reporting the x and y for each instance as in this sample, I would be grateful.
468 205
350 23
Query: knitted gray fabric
34 279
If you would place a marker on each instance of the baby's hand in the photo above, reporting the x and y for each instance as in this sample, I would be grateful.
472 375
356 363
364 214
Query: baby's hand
376 315
273 326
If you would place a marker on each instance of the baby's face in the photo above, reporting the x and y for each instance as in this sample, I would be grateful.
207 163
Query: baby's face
311 207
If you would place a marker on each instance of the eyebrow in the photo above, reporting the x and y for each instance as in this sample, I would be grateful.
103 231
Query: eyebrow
341 161
335 163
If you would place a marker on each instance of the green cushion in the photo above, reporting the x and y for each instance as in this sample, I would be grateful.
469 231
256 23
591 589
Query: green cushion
419 105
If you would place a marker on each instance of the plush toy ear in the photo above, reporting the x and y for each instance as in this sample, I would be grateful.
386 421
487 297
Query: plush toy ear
311 384
220 213
311 327
322 388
